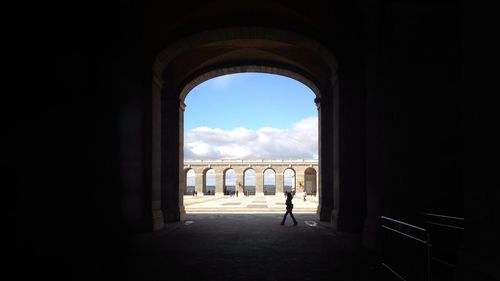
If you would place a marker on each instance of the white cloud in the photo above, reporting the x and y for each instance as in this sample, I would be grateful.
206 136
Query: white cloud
200 148
298 142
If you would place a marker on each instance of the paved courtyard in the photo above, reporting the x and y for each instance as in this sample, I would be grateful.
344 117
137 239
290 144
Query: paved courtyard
248 204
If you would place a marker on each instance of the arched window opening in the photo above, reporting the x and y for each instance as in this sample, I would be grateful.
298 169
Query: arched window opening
249 182
310 181
269 182
229 182
209 188
190 182
289 180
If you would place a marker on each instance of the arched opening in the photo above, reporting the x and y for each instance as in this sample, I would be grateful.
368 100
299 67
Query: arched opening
310 186
178 69
240 121
249 182
190 182
229 182
289 180
209 182
250 116
269 182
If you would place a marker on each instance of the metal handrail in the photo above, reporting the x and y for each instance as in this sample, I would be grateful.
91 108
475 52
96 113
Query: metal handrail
443 216
445 225
444 221
426 242
404 223
404 234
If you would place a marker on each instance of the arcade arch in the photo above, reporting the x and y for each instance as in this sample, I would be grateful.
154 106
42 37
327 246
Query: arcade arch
310 181
229 181
209 182
190 181
231 50
289 180
269 182
249 182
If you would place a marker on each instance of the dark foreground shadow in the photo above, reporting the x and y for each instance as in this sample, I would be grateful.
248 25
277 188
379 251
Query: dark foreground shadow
248 247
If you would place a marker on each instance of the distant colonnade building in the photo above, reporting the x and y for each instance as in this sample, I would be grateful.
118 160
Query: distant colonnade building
304 179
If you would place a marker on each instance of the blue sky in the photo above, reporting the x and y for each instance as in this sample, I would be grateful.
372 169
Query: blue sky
250 100
250 116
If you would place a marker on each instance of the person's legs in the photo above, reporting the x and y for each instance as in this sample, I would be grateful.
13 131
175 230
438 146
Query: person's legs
284 218
293 218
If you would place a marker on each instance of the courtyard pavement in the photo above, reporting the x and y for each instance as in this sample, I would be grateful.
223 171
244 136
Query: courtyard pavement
270 204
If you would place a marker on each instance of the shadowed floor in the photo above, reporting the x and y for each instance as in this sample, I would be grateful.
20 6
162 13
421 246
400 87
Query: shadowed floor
249 247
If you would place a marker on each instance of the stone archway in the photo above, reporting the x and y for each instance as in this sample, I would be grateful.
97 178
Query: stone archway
310 181
230 181
189 181
289 180
184 64
249 182
209 177
269 181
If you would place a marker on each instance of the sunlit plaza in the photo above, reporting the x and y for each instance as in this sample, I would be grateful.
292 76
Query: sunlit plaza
249 204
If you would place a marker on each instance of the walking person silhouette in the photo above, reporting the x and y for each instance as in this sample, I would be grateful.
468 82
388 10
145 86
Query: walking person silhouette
289 208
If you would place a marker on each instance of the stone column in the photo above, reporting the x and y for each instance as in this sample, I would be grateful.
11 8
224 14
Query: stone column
299 181
171 117
180 162
317 182
158 219
280 182
239 180
219 181
328 160
199 182
259 183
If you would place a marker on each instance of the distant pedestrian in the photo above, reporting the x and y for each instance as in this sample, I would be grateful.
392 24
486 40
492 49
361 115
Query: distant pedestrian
236 193
289 208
